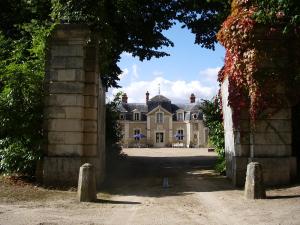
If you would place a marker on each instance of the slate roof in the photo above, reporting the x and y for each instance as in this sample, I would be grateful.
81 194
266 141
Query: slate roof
132 106
160 98
189 109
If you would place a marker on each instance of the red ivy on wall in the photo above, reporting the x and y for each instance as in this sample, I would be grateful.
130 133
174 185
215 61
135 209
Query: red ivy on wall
236 35
260 60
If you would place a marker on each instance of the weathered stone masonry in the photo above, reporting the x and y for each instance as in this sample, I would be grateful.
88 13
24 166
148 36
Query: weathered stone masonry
269 144
74 107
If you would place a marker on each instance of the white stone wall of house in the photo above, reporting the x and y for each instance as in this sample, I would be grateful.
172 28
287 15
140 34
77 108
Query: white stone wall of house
166 131
74 107
142 127
180 125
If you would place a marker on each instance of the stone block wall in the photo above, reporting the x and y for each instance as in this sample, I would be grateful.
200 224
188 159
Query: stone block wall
269 144
237 141
74 107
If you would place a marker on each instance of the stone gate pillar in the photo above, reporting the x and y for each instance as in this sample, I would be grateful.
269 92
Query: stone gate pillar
268 139
269 143
237 140
74 112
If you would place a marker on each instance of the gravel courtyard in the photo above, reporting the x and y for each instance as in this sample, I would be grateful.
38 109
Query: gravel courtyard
133 195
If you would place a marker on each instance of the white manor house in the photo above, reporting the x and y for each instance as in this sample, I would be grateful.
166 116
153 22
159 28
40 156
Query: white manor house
160 123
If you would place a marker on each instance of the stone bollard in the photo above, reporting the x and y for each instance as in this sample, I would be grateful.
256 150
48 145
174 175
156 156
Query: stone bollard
87 184
254 186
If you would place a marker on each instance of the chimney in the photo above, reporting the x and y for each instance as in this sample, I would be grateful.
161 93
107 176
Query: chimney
192 98
147 96
124 98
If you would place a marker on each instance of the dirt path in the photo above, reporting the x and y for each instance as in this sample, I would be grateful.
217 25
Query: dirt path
135 196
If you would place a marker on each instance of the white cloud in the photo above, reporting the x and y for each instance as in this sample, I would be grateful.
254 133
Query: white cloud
124 73
177 91
210 74
135 73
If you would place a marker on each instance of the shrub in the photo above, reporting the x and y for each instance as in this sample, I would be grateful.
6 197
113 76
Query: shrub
214 121
22 65
18 156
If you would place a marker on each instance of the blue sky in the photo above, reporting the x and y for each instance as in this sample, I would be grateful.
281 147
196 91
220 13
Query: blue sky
188 69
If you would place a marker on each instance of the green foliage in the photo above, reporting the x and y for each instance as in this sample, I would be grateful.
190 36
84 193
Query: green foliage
136 26
21 98
113 129
18 156
214 121
276 12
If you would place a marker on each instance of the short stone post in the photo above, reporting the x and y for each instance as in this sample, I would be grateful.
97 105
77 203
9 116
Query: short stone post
254 186
87 184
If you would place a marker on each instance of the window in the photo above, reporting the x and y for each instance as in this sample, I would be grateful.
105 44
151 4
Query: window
159 117
194 116
179 135
136 116
122 117
179 116
136 132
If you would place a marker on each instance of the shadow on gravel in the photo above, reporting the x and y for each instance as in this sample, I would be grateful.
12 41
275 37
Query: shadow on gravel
143 176
102 201
283 196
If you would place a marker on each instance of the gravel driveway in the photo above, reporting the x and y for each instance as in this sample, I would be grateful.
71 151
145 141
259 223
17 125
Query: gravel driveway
133 194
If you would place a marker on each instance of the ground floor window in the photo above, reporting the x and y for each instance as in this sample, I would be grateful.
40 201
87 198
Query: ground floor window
179 135
159 137
135 133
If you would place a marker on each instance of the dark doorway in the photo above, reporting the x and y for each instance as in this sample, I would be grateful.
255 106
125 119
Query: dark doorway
296 135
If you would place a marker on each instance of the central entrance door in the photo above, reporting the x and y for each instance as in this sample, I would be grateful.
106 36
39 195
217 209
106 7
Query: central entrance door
159 139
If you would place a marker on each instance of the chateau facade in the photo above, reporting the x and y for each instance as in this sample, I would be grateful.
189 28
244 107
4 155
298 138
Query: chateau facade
160 123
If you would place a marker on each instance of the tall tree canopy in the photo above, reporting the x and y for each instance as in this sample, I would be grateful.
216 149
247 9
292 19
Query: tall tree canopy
136 26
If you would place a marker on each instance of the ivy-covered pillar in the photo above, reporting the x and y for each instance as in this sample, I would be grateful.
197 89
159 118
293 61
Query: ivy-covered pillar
74 114
256 96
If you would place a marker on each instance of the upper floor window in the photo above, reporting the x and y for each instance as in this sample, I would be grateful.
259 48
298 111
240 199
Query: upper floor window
136 116
179 116
159 117
122 117
194 116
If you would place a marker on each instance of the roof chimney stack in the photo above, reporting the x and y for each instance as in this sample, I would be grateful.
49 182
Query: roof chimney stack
192 98
124 98
147 97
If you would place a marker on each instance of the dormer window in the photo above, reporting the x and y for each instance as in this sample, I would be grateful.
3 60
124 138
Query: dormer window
194 116
180 116
159 117
136 116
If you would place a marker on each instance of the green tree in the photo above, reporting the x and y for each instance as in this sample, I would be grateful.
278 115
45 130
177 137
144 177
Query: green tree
134 26
113 130
214 121
21 99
